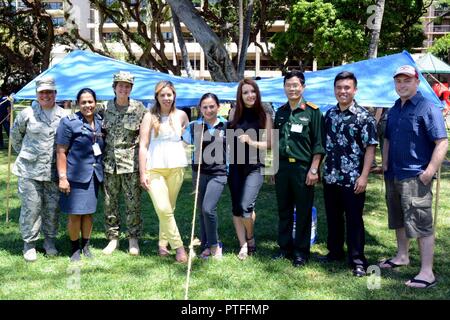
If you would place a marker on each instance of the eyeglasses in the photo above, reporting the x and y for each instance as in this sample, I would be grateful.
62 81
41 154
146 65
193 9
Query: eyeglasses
293 86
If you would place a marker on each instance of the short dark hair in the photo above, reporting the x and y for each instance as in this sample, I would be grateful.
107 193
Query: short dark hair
294 73
346 75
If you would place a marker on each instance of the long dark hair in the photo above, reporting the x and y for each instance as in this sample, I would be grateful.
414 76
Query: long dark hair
257 107
206 96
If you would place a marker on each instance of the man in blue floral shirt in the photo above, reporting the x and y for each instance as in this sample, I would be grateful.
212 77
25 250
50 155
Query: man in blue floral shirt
351 138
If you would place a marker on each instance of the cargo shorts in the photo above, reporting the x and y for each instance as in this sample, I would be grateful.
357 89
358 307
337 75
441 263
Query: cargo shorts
409 204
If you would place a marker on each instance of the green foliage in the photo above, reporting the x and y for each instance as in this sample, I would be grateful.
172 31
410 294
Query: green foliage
441 48
337 31
401 28
319 29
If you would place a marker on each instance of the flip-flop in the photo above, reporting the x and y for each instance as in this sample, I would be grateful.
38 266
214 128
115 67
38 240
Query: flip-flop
392 265
424 282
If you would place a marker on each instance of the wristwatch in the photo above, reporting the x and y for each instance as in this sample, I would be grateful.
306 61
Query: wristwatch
313 171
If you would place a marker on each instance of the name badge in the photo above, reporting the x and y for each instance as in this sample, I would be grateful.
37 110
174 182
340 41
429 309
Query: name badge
297 128
96 149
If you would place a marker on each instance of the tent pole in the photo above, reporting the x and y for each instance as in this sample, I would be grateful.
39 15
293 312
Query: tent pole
8 179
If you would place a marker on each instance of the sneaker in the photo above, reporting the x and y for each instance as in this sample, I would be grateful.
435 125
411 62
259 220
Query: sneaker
87 253
76 256
29 252
134 246
49 246
112 245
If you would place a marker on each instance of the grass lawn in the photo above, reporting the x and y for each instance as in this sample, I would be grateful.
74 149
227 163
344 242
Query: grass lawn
148 276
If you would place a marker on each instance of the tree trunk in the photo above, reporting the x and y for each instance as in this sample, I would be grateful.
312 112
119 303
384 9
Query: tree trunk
219 63
245 39
376 29
182 44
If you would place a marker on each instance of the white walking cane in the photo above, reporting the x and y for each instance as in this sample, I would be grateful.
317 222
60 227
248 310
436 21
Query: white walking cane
191 245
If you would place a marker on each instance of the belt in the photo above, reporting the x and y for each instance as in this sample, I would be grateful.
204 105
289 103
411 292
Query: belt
291 160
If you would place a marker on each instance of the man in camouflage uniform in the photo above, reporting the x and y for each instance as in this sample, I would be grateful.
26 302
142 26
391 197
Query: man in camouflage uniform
33 138
122 119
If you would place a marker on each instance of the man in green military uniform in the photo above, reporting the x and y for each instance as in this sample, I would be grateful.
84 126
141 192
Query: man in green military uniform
301 127
122 119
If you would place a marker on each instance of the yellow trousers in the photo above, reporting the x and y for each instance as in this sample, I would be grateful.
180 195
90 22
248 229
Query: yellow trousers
164 185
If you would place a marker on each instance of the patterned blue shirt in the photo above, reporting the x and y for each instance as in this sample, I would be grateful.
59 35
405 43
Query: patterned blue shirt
412 131
348 134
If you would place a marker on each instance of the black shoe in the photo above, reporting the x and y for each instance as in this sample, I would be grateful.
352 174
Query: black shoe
75 256
281 255
359 270
298 262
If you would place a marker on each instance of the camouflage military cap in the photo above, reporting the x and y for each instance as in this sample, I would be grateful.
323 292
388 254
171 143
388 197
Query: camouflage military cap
45 83
124 76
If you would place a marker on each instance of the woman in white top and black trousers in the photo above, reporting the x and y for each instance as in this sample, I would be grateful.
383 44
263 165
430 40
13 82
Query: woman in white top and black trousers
162 161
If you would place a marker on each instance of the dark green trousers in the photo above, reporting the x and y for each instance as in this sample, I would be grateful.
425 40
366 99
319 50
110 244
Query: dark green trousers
292 191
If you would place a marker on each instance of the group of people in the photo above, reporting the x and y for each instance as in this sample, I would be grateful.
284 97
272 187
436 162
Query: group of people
63 160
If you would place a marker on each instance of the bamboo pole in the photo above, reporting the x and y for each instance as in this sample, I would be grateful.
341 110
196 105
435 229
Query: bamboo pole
8 179
191 246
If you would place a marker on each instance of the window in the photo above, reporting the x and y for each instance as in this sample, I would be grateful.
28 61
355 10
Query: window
58 21
53 5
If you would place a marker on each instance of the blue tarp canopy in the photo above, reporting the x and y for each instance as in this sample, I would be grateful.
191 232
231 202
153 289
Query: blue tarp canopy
81 69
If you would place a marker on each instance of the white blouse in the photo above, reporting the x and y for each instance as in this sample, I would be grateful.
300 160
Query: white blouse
166 150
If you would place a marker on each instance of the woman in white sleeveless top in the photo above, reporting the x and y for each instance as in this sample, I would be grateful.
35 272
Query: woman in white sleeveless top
162 161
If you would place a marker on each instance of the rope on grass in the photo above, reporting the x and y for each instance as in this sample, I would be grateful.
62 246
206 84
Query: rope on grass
191 245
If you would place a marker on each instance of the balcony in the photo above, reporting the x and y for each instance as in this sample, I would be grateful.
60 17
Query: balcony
441 29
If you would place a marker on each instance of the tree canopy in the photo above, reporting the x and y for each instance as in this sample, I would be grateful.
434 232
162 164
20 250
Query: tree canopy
337 31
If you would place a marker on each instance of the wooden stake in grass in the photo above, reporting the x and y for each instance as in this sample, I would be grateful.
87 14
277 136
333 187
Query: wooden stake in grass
8 179
191 245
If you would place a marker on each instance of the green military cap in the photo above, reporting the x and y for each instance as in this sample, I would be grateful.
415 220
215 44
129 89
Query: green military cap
45 83
124 76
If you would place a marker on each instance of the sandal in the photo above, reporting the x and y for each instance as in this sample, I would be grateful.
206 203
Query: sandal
163 252
243 253
251 249
205 253
181 255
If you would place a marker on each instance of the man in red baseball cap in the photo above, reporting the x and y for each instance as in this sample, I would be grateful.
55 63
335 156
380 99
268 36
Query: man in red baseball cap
415 145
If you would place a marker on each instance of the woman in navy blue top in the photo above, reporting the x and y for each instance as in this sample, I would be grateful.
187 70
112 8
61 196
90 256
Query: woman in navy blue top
213 170
79 162
252 131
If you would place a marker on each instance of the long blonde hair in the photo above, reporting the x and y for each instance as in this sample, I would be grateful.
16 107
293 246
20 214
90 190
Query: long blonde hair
155 111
